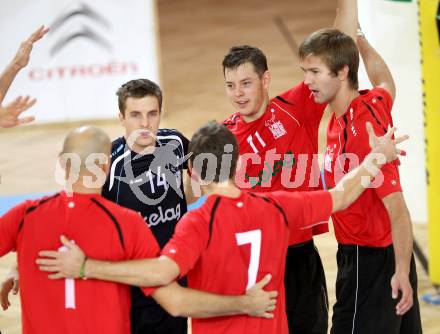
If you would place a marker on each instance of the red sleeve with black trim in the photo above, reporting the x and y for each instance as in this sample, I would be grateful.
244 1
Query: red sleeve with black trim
9 227
304 209
312 111
188 242
378 113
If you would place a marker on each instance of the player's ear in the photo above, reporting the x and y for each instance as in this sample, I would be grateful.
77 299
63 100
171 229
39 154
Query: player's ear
106 167
343 73
62 161
265 78
121 118
190 167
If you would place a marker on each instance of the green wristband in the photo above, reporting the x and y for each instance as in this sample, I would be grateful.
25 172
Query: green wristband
82 270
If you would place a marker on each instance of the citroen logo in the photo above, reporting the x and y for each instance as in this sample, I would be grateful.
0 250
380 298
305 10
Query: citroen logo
84 30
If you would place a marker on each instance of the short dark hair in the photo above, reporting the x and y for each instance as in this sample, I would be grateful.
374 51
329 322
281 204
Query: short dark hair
212 138
138 88
336 50
238 55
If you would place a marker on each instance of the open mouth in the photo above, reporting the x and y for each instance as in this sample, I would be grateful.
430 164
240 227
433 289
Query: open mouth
314 92
242 104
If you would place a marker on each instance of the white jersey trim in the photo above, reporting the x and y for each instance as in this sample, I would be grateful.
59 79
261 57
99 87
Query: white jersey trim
112 169
291 116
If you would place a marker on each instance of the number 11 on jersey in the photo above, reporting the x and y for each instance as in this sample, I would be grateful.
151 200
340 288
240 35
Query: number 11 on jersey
251 141
254 238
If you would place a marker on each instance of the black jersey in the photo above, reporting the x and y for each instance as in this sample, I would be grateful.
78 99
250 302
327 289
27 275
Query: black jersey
150 184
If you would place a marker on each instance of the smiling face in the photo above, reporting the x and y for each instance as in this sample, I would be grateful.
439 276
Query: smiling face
141 120
246 90
322 82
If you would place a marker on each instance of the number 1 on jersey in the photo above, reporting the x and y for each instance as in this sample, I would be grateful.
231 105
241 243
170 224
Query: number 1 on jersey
69 288
254 238
251 142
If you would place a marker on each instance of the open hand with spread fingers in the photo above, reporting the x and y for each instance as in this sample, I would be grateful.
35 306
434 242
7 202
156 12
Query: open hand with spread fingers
386 144
21 58
10 113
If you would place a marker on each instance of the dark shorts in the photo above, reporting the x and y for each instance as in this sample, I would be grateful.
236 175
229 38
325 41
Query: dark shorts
148 317
306 291
148 320
363 293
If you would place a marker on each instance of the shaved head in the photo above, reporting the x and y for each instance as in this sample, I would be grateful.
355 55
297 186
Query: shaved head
86 142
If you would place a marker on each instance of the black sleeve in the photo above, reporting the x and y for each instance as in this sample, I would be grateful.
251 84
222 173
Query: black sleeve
185 142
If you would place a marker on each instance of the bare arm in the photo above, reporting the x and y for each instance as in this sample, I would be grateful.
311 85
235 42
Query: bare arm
347 17
74 264
180 301
177 300
20 60
145 272
403 247
353 184
377 70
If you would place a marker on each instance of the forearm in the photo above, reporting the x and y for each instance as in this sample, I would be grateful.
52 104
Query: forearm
403 245
401 230
186 302
353 184
6 78
142 273
347 17
377 70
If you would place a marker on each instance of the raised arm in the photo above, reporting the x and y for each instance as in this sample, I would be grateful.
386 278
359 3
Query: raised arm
383 150
347 17
377 70
20 60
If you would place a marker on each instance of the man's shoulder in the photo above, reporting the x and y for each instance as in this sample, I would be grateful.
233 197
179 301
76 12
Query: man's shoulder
33 205
117 211
163 132
372 98
231 120
166 135
118 146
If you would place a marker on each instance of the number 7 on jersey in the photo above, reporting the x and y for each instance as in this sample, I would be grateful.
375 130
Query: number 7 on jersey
254 238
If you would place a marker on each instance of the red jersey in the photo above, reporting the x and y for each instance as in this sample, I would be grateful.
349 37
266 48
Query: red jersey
279 149
366 221
103 230
229 244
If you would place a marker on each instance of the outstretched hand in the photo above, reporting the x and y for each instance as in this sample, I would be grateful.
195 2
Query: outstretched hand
386 144
64 264
261 303
10 114
21 58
